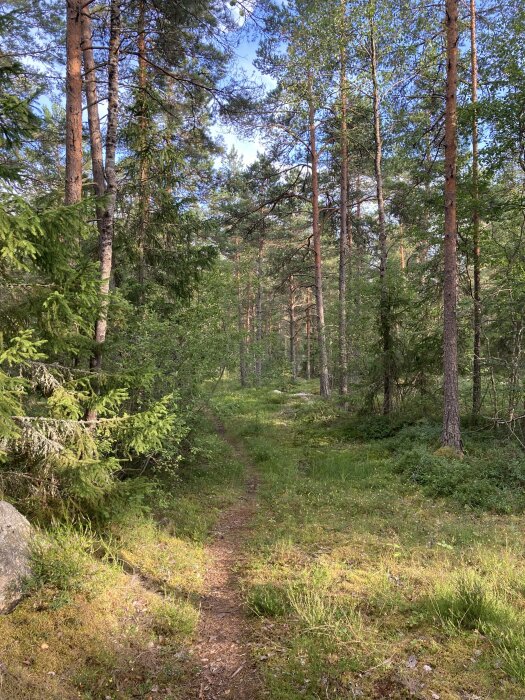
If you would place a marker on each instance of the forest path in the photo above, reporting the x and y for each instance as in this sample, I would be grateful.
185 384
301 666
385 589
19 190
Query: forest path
221 650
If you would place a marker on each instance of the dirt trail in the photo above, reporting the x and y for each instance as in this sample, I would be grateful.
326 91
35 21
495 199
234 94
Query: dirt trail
221 650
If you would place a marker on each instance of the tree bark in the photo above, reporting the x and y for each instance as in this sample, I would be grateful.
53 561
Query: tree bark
240 319
95 133
308 330
73 188
324 381
402 257
293 330
384 302
106 239
143 167
259 309
476 364
343 232
451 436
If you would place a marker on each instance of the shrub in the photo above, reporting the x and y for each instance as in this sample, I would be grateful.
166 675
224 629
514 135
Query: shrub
440 476
373 427
422 432
487 482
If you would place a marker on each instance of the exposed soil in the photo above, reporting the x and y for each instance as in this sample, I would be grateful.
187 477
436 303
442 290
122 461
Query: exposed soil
221 652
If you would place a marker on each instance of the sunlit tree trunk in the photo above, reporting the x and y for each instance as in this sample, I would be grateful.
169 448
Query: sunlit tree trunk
324 381
259 309
143 164
293 329
384 303
402 255
308 331
92 99
343 232
476 366
240 319
106 239
451 436
73 189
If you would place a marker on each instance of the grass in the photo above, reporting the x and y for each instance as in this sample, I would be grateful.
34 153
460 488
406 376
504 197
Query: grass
372 579
110 613
378 567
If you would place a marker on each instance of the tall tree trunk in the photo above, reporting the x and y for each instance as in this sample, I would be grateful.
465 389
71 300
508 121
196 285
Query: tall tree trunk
73 189
451 436
384 302
293 330
324 381
259 309
248 323
308 337
143 163
343 232
95 133
240 319
402 257
106 239
476 365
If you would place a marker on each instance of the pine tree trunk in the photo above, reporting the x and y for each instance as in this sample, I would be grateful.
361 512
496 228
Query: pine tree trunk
384 302
240 319
73 189
476 365
324 382
402 257
293 331
106 240
343 232
357 273
95 133
259 309
143 166
308 337
451 436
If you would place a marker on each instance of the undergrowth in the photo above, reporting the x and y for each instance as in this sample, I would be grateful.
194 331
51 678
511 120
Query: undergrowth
112 603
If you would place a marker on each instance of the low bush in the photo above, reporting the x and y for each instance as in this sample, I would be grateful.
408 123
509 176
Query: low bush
373 427
489 481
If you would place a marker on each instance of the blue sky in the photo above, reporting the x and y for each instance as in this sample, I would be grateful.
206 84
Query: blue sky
246 147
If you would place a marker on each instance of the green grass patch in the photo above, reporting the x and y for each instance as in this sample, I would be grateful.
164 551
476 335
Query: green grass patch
112 608
373 559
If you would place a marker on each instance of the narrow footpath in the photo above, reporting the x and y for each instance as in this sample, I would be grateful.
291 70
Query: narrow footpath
221 651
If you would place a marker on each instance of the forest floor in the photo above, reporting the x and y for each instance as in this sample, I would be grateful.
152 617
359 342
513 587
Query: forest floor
292 559
225 664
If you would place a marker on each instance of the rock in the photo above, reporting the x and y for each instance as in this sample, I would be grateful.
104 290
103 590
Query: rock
15 533
412 662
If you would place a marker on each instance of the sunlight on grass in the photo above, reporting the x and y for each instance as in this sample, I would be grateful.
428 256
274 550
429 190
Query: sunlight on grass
111 613
361 585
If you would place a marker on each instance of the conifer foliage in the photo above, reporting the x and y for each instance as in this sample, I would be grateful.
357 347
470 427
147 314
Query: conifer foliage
374 243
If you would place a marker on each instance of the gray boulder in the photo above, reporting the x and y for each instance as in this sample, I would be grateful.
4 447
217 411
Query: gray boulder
15 535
